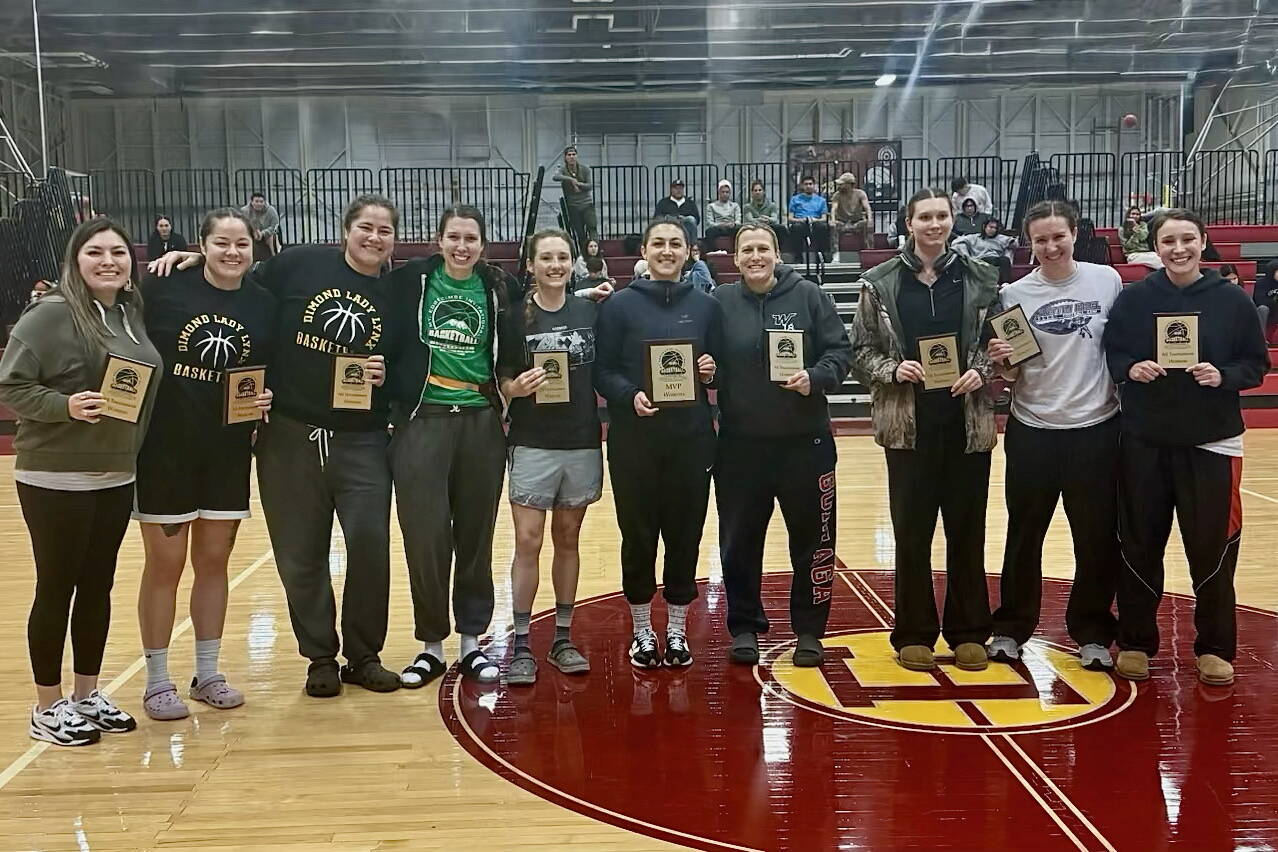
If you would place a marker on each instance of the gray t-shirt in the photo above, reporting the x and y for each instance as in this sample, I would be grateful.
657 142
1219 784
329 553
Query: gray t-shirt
1068 386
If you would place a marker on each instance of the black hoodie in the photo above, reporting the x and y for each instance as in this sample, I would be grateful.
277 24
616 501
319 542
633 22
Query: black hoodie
653 310
750 404
1266 289
1174 410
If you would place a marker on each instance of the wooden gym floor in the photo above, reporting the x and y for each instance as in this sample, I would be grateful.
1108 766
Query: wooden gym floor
621 762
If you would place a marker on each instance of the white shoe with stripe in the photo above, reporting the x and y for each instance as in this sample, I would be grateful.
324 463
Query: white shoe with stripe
62 725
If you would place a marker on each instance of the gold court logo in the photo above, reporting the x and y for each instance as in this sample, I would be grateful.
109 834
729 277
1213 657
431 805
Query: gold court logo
861 681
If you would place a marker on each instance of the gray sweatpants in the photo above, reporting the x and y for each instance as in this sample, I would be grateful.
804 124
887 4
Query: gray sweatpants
448 468
304 475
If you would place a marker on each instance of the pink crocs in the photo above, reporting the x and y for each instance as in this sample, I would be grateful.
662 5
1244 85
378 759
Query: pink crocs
163 704
216 692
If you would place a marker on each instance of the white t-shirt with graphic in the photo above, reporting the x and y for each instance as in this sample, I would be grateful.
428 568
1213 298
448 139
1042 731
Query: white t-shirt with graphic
1068 386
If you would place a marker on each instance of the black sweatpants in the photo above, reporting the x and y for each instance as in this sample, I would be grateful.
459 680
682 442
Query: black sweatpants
1201 487
304 475
661 487
1044 465
818 230
938 475
449 466
75 538
751 474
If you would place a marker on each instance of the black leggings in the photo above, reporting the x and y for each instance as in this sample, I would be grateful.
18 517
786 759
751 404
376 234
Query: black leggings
75 536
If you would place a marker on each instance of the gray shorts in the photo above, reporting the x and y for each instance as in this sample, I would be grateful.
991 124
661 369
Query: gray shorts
555 479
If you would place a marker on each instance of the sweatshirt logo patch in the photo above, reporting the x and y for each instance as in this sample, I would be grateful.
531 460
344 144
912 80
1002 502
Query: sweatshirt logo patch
208 344
457 325
785 321
339 320
1066 316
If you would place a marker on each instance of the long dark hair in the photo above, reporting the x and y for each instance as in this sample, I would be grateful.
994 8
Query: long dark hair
368 200
1050 209
212 217
923 195
466 211
86 318
533 242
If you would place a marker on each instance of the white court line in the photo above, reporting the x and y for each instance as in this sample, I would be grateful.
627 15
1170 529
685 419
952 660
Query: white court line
1257 494
1051 811
27 757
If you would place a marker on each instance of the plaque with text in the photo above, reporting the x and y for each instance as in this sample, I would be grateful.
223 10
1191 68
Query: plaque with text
1013 327
124 387
555 387
785 354
351 388
670 370
939 355
1176 340
240 388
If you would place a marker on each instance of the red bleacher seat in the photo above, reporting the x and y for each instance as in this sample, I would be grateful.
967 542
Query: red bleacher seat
851 241
1131 272
873 257
407 251
612 247
502 251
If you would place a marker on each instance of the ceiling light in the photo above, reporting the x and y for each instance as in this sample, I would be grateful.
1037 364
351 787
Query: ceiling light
885 80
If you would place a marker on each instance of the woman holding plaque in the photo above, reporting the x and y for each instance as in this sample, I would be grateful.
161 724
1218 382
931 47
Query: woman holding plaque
1181 344
784 349
656 345
1061 439
916 343
448 454
324 450
193 472
544 369
77 444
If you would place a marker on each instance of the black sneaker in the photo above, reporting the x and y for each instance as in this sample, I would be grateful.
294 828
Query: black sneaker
322 679
371 675
644 653
62 726
678 654
99 712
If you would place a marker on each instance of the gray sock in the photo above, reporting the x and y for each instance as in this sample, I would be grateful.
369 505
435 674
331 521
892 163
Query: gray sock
522 620
563 620
677 621
641 616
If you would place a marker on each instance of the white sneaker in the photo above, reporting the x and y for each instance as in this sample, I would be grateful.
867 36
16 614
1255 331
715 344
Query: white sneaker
61 725
99 712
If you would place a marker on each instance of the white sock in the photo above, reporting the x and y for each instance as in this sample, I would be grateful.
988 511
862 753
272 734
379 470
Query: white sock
157 666
435 649
468 644
206 654
641 617
677 620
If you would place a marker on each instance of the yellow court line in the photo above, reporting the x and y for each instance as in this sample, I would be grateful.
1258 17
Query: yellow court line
27 757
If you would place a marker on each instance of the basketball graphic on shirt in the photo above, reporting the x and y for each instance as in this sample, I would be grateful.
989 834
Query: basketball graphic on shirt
209 343
457 325
343 317
1066 316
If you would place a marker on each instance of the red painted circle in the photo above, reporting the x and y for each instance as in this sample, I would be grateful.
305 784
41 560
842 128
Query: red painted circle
709 758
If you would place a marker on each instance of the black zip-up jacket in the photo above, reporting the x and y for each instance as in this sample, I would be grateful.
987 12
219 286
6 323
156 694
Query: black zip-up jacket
683 207
752 405
1174 410
408 368
653 310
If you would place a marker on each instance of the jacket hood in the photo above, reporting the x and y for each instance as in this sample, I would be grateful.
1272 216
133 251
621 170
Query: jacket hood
497 279
666 292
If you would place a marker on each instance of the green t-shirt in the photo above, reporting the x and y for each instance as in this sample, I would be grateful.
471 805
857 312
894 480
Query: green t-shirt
457 327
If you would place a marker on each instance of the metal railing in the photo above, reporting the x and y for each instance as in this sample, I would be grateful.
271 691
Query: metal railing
624 199
285 191
1269 209
129 196
1222 186
190 193
1149 178
1090 180
330 191
423 194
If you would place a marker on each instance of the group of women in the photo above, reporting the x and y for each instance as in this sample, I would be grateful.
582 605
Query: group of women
460 356
1095 420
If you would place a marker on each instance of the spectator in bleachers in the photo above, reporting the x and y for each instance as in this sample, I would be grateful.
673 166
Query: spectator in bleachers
697 273
990 246
1230 273
723 216
809 219
164 239
851 208
964 189
1133 237
574 178
1265 295
760 211
265 220
682 207
969 221
596 274
592 250
40 289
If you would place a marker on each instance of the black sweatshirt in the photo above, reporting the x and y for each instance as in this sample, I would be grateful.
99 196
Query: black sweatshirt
653 310
1174 410
750 403
326 308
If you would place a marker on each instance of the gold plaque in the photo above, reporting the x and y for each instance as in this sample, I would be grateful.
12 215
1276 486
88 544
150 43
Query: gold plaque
785 354
351 388
1176 340
555 363
670 368
240 388
124 387
939 355
1012 326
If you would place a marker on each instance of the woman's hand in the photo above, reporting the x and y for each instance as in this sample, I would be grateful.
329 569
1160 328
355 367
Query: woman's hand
375 370
968 382
599 292
165 265
1145 371
1000 351
526 383
800 382
909 371
86 406
706 368
1206 374
643 407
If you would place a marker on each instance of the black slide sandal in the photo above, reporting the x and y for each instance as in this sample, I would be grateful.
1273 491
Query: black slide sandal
475 662
424 669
